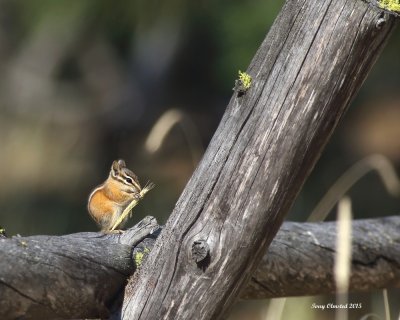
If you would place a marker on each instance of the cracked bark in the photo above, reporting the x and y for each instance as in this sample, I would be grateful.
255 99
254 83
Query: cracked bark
300 259
74 276
312 62
307 246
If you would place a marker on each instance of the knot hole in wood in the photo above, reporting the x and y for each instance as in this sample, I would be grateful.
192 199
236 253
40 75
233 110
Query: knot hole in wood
381 21
201 253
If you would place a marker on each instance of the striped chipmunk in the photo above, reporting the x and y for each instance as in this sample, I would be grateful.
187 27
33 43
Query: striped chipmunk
108 201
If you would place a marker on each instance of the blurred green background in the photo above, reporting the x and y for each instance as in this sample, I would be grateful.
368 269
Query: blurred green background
84 82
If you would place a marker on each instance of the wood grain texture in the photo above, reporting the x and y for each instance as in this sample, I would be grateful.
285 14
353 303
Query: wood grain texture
300 259
299 262
66 277
313 60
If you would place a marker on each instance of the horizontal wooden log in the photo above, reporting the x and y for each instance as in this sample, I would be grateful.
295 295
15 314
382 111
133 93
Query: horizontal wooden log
301 256
81 275
63 277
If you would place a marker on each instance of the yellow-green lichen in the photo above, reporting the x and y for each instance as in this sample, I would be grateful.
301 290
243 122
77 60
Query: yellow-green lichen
242 84
139 257
392 5
23 244
245 79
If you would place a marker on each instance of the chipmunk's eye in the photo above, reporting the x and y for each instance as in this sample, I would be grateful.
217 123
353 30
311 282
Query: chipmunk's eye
129 180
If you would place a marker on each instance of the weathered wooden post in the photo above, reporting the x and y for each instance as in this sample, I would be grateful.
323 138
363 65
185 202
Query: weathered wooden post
310 65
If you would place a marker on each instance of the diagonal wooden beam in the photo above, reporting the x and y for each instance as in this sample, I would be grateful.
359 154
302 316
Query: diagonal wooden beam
312 62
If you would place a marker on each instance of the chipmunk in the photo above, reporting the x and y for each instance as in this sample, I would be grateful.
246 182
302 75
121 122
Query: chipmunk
107 201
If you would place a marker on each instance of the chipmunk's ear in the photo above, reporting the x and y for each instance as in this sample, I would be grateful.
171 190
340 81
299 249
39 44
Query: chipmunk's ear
121 163
117 166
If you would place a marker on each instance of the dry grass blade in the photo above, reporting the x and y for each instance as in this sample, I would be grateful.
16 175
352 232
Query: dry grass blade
386 303
343 257
167 121
376 162
133 203
275 308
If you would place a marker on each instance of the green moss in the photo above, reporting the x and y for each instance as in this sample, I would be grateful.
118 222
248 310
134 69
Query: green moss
392 5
